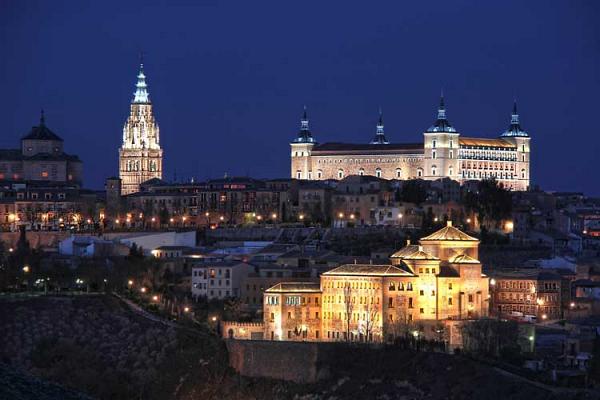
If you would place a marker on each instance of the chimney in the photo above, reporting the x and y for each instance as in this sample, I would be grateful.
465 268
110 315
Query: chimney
448 223
420 248
408 242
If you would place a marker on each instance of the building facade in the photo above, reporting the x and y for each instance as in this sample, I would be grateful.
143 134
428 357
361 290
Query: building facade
529 294
140 155
437 282
40 158
444 152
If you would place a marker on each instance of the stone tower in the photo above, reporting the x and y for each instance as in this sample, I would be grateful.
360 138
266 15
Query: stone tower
516 135
140 155
301 151
441 148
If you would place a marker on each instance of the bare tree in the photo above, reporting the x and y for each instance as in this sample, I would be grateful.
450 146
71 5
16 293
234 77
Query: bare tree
349 307
371 311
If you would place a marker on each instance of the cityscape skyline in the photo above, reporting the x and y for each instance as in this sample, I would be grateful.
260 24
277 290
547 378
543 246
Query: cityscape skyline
258 105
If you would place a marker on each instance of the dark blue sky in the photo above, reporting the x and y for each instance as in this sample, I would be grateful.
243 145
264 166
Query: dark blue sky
228 79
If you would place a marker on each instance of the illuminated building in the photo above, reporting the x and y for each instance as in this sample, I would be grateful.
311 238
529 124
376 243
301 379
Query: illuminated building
41 158
140 155
443 153
436 282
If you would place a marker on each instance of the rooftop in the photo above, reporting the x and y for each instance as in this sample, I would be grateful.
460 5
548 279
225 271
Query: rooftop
368 269
366 149
484 142
295 287
463 259
450 233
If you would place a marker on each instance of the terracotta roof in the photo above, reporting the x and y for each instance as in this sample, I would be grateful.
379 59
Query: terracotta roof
449 233
420 255
368 269
463 259
298 287
405 251
484 142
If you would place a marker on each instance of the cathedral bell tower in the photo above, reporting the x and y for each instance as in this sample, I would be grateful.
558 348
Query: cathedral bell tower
140 155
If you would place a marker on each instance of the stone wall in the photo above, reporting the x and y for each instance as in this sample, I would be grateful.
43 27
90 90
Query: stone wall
290 361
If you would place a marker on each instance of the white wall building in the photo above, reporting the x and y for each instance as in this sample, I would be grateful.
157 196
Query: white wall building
219 280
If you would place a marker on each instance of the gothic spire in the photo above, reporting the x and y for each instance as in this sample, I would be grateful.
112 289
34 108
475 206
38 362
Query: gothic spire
514 129
141 95
304 136
441 124
380 134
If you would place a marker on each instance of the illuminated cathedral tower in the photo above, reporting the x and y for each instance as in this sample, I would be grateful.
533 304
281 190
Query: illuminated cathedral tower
140 155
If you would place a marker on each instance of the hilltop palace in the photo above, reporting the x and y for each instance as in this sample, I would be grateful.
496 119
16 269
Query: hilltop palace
443 153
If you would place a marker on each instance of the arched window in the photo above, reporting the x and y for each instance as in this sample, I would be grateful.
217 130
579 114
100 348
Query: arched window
361 171
392 286
419 173
434 170
400 286
319 174
450 171
523 174
309 174
409 286
378 172
433 154
298 174
340 173
398 173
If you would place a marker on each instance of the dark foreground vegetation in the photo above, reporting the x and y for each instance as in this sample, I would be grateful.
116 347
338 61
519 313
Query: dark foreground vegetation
94 344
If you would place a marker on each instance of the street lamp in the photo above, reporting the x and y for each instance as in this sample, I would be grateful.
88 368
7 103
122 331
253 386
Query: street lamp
26 269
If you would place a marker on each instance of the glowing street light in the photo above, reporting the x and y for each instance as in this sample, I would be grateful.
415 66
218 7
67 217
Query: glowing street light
116 221
155 298
186 309
213 318
300 217
341 215
143 290
222 218
572 305
400 215
544 316
26 268
468 220
206 214
153 219
351 216
171 220
492 282
130 283
274 216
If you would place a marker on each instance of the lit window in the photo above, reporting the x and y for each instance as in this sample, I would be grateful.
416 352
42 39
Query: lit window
378 172
398 173
340 173
44 174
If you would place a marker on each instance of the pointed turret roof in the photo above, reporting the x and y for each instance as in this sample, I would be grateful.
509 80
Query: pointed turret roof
41 132
441 124
380 135
141 95
304 136
514 129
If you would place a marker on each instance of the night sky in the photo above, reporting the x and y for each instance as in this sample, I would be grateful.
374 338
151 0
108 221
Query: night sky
228 79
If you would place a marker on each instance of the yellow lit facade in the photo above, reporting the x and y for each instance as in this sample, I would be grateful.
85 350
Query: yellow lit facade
436 281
